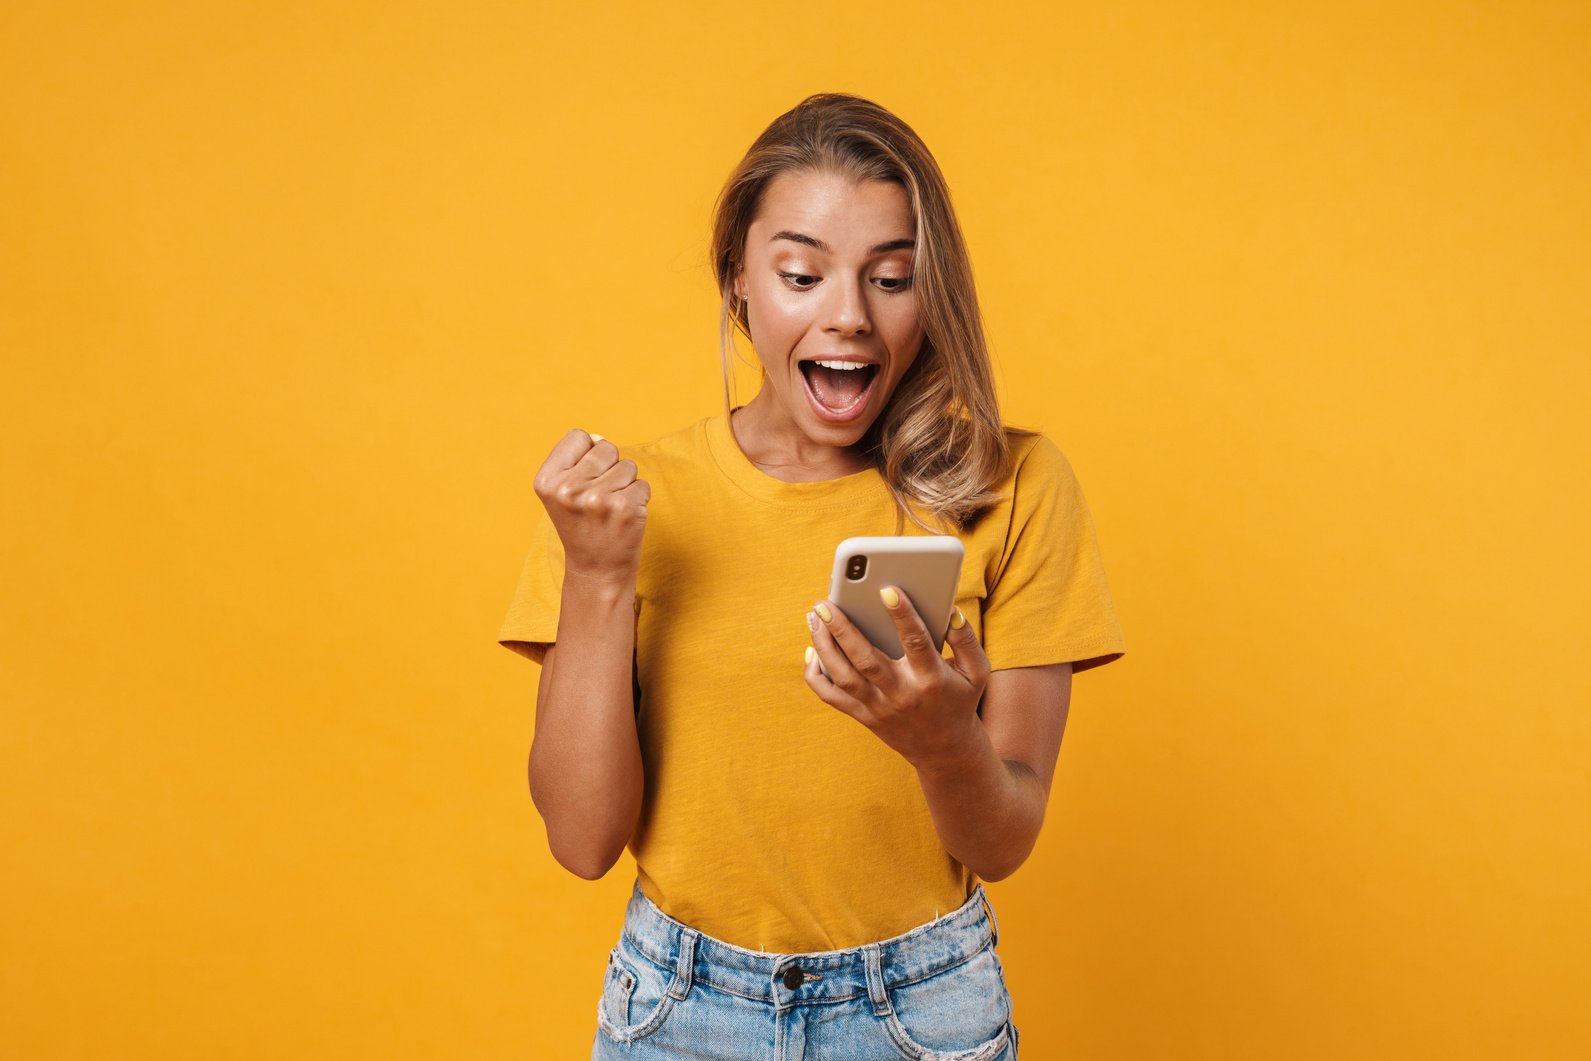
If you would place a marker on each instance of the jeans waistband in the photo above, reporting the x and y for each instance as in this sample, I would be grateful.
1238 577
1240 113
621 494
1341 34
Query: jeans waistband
819 976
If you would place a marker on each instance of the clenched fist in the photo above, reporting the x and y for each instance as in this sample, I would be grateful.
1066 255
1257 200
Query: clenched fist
597 505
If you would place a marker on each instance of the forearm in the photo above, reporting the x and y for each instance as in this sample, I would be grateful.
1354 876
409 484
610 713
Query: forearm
987 810
585 761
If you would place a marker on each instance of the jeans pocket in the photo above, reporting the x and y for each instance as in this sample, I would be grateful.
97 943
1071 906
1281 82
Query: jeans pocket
635 996
960 1014
617 987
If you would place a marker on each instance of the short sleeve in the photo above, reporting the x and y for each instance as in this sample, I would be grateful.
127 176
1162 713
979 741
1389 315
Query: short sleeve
1050 601
532 620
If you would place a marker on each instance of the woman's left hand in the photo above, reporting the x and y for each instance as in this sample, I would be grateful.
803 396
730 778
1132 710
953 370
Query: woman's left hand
922 705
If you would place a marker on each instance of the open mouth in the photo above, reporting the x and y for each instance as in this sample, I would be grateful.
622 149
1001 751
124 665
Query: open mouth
839 388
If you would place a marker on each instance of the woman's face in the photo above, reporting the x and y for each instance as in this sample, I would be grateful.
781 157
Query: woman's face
832 310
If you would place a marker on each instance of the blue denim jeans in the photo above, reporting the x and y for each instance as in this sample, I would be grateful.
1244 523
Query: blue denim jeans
936 993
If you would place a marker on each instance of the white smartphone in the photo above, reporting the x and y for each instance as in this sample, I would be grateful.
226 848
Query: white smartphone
925 568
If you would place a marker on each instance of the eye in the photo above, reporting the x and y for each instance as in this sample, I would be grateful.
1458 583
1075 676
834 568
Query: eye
803 282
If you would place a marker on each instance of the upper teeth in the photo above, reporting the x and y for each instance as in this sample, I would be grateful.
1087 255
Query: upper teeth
844 366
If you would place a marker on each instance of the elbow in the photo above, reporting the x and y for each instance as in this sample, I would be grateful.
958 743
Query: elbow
585 848
1011 845
587 864
585 852
588 824
999 870
585 872
997 865
996 871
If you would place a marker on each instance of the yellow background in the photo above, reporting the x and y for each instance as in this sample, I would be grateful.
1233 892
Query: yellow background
294 297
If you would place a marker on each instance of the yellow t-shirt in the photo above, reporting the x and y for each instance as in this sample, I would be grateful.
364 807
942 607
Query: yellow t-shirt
771 820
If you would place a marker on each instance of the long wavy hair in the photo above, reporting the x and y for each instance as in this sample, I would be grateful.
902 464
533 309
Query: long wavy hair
940 444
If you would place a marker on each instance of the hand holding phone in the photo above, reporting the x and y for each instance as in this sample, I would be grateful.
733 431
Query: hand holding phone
917 701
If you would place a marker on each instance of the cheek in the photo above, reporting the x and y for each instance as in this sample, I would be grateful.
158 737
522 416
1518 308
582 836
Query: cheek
775 327
900 326
906 339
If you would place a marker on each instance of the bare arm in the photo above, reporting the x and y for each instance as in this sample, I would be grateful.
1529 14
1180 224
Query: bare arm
586 775
585 760
988 798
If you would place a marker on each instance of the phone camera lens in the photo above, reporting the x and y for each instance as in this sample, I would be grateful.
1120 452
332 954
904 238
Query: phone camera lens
856 568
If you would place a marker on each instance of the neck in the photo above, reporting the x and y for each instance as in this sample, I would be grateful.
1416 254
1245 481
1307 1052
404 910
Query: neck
788 454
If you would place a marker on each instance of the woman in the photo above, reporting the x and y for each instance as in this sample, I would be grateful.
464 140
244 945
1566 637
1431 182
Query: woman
809 839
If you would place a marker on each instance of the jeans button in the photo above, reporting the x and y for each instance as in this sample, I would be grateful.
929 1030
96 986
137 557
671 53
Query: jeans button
793 977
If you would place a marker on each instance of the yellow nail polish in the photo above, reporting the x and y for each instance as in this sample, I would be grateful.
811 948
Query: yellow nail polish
824 613
957 620
891 597
811 655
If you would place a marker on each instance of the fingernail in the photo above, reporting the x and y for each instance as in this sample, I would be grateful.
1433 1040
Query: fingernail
891 597
594 436
812 623
824 613
811 654
957 620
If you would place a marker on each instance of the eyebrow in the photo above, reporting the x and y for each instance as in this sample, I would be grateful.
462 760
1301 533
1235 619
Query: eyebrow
817 244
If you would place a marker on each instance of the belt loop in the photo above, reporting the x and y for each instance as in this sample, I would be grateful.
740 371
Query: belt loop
994 922
872 959
685 967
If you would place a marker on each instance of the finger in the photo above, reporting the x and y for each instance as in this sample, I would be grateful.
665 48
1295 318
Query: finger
638 493
565 455
616 478
592 479
827 691
611 494
864 657
834 665
598 459
917 643
967 655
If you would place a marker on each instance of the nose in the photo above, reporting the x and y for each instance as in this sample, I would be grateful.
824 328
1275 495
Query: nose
847 309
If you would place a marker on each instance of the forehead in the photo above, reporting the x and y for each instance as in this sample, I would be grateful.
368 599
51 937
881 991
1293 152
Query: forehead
848 215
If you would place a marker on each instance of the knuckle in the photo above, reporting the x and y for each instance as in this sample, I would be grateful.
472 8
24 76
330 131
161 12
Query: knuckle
844 680
869 666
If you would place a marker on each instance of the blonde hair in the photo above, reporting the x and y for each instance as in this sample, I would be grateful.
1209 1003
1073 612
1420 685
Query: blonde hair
940 444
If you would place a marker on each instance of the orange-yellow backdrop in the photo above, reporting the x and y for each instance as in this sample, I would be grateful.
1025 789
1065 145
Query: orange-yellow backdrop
293 299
